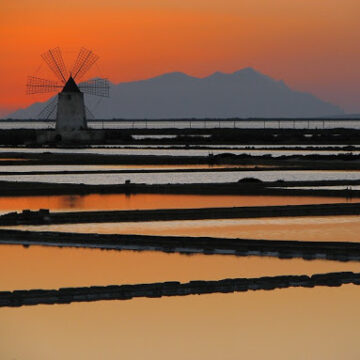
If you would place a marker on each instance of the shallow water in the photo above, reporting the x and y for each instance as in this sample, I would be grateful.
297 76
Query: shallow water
312 228
196 124
323 320
105 168
319 323
183 151
53 267
151 201
329 187
188 177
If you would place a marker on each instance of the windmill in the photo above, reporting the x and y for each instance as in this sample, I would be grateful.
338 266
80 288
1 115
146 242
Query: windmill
69 105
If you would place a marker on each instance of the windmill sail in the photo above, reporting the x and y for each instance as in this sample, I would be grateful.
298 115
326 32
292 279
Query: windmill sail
35 85
84 61
89 114
49 110
68 106
98 87
54 60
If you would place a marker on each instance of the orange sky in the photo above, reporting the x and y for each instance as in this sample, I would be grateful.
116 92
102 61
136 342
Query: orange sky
313 45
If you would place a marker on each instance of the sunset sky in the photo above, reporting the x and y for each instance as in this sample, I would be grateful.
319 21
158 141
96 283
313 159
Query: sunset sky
313 45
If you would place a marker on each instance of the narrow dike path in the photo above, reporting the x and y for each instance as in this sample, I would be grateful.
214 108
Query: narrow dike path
172 288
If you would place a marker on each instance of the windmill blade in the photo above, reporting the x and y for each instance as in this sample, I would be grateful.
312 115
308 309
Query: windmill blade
89 114
85 60
54 60
98 87
35 85
49 110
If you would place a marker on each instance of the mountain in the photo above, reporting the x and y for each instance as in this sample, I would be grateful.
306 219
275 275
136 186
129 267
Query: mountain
245 93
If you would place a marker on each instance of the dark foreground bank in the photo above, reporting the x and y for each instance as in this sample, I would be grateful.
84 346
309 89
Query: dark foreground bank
247 186
172 288
191 136
45 217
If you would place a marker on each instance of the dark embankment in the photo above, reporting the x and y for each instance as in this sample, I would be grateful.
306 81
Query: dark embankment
172 288
341 161
308 250
189 136
243 187
43 217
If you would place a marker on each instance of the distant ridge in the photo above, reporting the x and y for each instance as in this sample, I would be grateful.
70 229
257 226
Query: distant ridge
246 93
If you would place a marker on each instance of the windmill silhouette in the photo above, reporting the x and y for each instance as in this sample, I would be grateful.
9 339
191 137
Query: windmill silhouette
68 105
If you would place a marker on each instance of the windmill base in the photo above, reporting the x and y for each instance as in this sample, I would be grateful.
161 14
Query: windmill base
75 137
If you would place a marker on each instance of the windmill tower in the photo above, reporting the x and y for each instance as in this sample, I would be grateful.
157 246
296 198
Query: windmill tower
69 105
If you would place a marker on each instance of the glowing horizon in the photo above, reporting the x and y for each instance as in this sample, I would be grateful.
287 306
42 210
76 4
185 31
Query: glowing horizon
310 45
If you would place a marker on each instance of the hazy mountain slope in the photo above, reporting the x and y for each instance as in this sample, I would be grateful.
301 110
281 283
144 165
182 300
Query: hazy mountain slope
245 93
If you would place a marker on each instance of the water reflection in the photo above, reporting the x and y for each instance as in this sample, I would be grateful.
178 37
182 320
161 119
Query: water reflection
48 268
71 202
187 177
319 323
151 201
316 228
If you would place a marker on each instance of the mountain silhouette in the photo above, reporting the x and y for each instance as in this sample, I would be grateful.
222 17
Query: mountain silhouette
245 93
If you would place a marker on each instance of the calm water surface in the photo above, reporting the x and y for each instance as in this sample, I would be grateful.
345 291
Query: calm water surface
219 326
196 124
151 201
53 267
165 150
188 177
99 168
319 323
316 228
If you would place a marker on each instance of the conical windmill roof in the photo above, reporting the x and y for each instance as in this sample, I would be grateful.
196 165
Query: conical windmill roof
71 86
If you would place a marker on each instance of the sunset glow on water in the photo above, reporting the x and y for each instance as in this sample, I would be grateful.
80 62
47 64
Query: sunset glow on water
202 62
94 202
